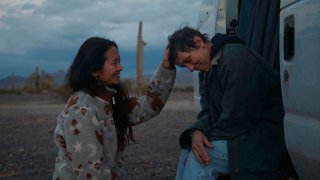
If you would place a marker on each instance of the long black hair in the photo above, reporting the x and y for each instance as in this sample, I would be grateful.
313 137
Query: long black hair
91 58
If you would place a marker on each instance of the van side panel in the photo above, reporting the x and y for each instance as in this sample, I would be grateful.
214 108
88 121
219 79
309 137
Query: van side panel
300 78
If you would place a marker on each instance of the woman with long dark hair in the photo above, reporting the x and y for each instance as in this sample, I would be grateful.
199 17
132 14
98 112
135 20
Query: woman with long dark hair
95 126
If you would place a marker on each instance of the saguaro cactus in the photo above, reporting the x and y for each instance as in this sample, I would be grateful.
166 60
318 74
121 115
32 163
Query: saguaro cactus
140 45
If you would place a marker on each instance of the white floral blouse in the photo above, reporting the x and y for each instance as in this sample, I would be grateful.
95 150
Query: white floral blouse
86 136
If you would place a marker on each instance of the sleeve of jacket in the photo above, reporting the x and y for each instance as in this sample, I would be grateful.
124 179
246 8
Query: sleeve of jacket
84 139
149 105
203 117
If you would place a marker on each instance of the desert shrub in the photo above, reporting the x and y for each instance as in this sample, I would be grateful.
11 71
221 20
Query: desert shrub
11 91
62 92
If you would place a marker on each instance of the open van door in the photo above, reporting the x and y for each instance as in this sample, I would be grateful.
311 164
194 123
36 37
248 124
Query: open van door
212 20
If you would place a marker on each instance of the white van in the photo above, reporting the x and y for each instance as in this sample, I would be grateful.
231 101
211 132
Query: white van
287 34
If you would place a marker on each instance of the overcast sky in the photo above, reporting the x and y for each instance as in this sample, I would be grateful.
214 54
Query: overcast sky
48 33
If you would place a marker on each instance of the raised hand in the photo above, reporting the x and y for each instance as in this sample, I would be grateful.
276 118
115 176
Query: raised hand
165 61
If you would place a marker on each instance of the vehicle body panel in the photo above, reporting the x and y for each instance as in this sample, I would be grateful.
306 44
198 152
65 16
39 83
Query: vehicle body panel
300 78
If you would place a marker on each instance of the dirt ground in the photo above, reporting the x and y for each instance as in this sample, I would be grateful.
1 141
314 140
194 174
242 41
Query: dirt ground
27 150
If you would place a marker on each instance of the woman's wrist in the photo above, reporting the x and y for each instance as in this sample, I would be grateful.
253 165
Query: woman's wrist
167 66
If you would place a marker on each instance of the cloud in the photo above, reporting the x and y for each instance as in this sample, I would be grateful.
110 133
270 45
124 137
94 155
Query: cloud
29 26
17 8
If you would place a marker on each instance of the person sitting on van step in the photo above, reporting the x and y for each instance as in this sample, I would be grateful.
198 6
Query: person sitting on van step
240 127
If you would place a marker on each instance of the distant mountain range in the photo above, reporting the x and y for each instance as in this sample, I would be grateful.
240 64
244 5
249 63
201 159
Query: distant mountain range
58 77
11 81
7 82
183 78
